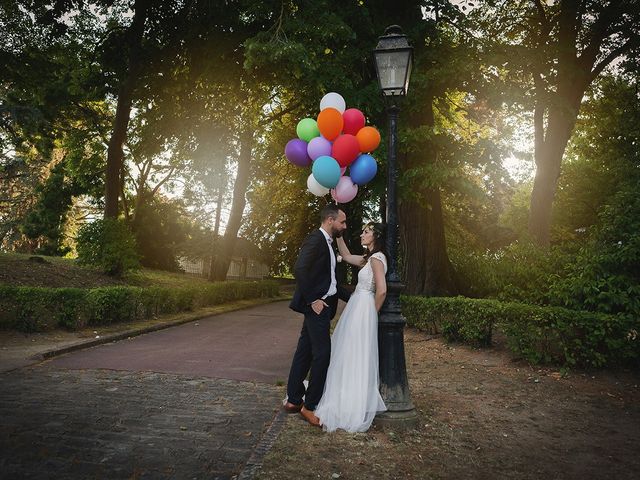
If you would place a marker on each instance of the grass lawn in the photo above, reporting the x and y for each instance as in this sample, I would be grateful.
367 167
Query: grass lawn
56 272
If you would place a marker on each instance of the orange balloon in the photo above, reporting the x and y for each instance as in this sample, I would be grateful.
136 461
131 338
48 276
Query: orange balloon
330 123
368 138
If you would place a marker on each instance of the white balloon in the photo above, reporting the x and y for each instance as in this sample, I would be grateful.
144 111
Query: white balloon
315 188
333 100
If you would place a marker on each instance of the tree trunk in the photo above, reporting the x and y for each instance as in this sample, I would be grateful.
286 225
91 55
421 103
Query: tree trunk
115 154
216 233
575 73
549 150
223 259
426 266
355 222
425 263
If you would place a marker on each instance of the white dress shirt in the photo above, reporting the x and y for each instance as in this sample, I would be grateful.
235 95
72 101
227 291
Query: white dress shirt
333 289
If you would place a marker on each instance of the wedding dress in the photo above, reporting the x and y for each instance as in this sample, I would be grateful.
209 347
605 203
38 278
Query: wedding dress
351 397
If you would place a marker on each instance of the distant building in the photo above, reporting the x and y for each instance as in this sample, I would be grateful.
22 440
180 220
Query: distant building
246 263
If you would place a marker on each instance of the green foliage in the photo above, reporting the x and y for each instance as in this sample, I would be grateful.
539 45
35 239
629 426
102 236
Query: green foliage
25 308
109 245
520 272
569 337
601 276
515 215
537 334
593 265
46 218
476 272
604 195
524 271
160 228
457 318
34 309
55 121
605 276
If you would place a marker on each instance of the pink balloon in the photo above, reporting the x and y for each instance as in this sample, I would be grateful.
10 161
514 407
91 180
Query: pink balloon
342 170
353 121
345 190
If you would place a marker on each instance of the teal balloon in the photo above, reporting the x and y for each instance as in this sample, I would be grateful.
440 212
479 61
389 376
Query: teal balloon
307 129
363 169
326 171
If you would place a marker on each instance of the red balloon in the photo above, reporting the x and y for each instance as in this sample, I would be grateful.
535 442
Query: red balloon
353 121
345 149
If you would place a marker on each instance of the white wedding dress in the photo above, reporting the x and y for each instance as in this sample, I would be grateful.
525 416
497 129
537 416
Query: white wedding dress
351 397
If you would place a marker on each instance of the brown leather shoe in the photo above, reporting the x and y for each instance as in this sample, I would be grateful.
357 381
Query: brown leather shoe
310 417
291 407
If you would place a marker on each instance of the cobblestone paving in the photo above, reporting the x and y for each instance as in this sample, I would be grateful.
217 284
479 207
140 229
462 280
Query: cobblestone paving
84 424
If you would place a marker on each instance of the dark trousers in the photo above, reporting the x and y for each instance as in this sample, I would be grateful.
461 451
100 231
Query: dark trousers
313 352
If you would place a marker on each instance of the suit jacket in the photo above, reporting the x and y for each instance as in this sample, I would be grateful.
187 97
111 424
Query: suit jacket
313 274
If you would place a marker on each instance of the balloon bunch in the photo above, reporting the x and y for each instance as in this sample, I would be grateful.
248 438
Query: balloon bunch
337 139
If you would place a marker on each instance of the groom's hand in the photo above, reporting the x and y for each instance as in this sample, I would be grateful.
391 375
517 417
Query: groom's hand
318 305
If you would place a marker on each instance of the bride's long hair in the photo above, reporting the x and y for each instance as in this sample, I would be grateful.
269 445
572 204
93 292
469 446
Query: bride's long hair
379 240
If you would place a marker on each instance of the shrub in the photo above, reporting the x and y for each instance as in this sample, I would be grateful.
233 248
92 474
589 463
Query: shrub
605 276
599 273
109 245
70 310
457 318
25 308
36 309
538 334
569 337
477 272
520 272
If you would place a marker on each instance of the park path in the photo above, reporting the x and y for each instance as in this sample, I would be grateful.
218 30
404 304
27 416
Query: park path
254 345
192 401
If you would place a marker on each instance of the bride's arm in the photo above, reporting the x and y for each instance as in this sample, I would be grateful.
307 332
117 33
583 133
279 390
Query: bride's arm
381 282
356 260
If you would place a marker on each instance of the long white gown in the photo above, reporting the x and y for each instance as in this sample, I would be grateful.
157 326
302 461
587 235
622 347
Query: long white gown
351 396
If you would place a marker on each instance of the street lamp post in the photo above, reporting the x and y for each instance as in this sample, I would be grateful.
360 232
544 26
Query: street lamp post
393 56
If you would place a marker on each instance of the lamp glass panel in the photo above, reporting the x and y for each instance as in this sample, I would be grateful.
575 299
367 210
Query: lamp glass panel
392 70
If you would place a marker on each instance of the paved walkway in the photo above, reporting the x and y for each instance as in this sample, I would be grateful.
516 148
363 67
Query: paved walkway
254 345
193 401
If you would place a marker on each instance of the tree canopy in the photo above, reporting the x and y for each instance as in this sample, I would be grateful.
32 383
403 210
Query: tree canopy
173 117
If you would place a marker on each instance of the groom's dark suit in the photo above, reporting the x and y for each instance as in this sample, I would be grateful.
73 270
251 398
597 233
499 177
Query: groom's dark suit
313 279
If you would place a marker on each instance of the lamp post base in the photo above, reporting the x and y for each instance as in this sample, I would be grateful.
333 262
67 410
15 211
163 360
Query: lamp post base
394 385
397 420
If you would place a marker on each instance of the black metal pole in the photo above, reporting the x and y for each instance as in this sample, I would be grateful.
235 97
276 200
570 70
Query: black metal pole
394 386
392 208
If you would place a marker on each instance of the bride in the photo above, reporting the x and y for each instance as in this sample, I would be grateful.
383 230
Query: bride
351 397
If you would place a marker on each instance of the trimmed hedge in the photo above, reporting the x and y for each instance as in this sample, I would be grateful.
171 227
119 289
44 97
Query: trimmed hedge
34 309
538 334
457 318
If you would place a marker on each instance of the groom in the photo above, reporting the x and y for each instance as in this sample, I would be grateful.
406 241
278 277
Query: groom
316 296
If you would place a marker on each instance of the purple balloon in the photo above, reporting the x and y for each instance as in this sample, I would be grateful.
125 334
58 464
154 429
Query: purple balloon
296 152
318 147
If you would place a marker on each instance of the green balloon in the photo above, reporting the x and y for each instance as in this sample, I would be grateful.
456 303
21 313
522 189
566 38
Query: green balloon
307 129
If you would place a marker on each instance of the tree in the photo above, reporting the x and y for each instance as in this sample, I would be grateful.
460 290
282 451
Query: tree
220 262
53 121
452 180
429 158
601 157
115 155
555 51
